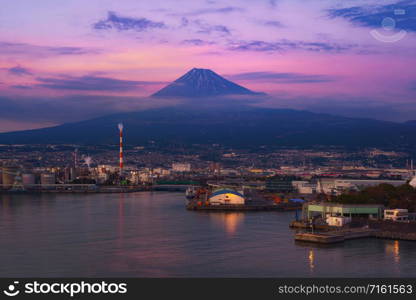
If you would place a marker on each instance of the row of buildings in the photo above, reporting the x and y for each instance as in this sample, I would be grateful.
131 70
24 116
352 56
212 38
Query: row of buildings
282 180
13 176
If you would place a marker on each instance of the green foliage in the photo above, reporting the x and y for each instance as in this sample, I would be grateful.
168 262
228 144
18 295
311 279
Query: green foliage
403 196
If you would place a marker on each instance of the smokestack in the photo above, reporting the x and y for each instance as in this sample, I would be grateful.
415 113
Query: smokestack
120 128
76 158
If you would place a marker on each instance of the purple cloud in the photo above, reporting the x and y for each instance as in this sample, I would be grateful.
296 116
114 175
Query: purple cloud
114 21
205 11
286 45
19 71
91 83
276 24
403 13
205 28
208 28
22 87
197 42
282 77
23 49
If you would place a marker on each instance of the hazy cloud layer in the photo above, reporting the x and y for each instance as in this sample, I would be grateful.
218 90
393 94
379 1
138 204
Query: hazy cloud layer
77 108
91 83
355 107
24 49
72 108
22 87
282 77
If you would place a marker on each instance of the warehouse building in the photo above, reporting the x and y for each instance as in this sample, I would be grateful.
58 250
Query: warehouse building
325 210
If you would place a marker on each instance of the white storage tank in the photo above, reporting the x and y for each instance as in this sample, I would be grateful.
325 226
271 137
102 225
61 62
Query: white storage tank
9 176
28 179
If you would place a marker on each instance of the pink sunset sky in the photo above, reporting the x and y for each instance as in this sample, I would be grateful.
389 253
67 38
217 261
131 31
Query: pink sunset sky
63 61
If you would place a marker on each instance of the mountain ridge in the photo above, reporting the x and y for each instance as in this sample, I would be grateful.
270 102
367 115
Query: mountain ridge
232 125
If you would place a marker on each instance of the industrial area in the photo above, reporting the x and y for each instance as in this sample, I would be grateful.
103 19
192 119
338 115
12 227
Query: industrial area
309 182
320 170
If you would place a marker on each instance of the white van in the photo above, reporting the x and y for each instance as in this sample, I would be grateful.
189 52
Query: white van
397 215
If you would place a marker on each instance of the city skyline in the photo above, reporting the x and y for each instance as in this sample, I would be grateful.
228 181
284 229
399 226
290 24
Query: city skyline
68 61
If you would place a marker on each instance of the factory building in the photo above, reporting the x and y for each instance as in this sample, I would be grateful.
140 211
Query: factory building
335 186
326 210
47 179
226 196
181 167
330 186
304 187
9 176
28 179
280 184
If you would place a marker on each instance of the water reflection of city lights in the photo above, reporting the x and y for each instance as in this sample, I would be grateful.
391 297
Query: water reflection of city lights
120 219
230 221
311 259
394 250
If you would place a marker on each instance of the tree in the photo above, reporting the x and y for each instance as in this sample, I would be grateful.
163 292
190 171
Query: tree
403 196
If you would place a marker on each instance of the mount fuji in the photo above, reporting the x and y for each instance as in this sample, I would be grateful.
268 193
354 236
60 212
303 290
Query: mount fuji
202 83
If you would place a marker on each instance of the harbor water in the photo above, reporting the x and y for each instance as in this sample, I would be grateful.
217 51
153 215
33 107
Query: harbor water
151 234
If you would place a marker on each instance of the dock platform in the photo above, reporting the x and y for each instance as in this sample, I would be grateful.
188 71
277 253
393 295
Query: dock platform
192 205
335 236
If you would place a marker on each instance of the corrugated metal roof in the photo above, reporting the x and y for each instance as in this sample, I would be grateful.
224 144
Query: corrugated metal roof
226 191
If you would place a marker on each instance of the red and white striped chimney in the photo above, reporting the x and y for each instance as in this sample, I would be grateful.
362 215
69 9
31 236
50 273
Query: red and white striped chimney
120 128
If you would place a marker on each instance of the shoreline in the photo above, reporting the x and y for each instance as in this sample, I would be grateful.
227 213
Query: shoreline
380 229
97 190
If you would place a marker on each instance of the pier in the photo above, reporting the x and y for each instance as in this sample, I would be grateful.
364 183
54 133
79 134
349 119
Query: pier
250 206
381 229
234 207
73 188
335 236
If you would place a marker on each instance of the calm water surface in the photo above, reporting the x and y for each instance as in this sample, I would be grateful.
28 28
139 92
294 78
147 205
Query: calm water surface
152 235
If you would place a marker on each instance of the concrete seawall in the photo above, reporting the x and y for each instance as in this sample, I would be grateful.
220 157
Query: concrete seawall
394 230
396 235
335 236
359 228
